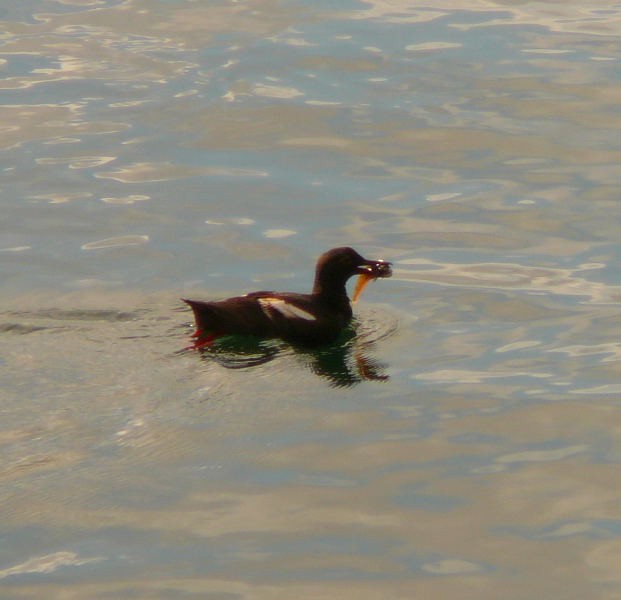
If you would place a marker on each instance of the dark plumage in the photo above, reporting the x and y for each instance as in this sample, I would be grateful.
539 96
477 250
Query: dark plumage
313 318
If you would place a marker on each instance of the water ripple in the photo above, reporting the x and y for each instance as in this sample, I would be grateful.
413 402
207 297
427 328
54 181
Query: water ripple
535 279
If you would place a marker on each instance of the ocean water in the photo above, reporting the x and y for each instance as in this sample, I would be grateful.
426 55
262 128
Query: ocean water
463 443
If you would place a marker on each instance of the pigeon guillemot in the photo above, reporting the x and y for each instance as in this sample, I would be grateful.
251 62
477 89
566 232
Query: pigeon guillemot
311 319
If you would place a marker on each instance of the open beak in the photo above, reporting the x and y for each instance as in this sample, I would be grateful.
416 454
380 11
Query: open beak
370 270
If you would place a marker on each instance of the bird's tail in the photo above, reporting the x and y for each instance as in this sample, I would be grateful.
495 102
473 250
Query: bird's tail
203 316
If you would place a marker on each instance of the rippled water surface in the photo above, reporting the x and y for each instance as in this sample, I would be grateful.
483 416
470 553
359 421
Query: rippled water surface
463 442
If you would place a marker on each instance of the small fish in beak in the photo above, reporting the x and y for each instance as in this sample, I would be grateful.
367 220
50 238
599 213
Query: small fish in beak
370 272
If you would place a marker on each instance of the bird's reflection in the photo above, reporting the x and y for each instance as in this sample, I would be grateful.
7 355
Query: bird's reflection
344 363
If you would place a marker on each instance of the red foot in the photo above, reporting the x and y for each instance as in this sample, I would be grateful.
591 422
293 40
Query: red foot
203 341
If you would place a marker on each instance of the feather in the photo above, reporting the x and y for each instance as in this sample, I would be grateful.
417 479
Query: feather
286 309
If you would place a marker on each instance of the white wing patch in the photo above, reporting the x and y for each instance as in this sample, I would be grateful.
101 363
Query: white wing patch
286 309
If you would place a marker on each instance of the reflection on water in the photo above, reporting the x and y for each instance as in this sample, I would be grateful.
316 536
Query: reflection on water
346 362
569 282
152 149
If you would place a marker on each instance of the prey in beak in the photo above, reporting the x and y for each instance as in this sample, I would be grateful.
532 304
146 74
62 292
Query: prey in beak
369 271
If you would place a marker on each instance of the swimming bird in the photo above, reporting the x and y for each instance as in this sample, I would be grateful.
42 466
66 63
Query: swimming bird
307 319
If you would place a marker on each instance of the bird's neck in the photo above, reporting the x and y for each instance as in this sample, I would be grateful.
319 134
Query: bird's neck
332 292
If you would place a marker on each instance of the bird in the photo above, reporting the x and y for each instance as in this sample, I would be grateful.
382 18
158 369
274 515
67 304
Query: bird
305 319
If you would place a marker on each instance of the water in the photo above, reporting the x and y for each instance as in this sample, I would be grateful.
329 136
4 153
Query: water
465 444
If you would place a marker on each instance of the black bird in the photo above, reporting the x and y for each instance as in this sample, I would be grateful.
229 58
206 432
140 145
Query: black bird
309 319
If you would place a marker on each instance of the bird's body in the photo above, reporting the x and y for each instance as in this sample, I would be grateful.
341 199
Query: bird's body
315 318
